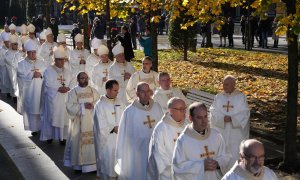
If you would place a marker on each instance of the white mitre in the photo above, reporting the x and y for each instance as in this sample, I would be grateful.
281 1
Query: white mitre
59 52
23 29
42 35
102 50
30 45
13 38
61 37
118 49
5 36
79 38
96 43
24 39
31 28
48 31
12 27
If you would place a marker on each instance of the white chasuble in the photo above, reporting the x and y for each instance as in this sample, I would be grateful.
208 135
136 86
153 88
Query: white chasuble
162 97
99 75
107 115
76 56
136 126
161 147
11 59
237 172
80 149
151 78
4 79
116 71
91 61
30 91
192 149
234 105
46 52
54 112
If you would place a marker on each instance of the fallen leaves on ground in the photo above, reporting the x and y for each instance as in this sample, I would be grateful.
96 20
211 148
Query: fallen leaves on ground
261 76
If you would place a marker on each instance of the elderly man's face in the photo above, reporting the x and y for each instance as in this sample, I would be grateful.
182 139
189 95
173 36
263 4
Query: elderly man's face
14 46
6 43
199 119
104 58
59 62
178 110
229 86
79 45
120 58
83 80
144 94
42 41
31 35
50 38
63 44
165 82
254 160
147 64
31 55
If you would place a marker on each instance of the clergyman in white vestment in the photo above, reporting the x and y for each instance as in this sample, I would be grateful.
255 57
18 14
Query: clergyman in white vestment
199 152
11 59
46 51
93 59
251 163
163 140
144 75
230 114
107 115
166 92
57 83
4 79
100 70
78 56
121 70
30 78
62 41
80 148
136 126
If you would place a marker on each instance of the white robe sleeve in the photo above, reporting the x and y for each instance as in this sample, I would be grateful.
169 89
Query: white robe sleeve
183 169
241 118
158 162
73 107
130 88
222 158
216 116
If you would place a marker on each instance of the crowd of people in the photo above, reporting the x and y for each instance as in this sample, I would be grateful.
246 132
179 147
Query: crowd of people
123 123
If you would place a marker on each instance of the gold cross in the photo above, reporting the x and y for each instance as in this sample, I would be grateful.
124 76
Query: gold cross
62 80
149 121
34 69
177 137
105 72
227 106
113 113
207 153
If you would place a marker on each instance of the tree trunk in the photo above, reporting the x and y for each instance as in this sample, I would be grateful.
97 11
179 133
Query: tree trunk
208 38
86 31
108 29
289 163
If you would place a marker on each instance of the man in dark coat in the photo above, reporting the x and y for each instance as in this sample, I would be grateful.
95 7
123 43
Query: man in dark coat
125 40
133 31
54 27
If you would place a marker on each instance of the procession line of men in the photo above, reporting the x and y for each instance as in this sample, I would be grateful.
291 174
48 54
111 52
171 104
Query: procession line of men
122 123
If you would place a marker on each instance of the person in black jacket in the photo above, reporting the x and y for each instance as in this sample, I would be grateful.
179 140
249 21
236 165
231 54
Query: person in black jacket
74 32
125 40
133 32
98 29
54 27
230 31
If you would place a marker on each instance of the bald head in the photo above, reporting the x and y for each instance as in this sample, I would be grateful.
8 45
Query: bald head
140 86
248 146
174 101
177 109
229 84
143 92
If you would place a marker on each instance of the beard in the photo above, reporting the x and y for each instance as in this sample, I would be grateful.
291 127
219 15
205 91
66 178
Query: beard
256 169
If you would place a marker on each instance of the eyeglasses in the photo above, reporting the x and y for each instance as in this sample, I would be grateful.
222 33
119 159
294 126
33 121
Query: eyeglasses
179 109
255 158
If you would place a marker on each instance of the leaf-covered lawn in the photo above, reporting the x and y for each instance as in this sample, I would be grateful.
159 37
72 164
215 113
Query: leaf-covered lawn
261 76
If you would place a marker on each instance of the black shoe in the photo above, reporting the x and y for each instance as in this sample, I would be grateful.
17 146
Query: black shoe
220 45
8 95
63 142
49 141
34 133
224 45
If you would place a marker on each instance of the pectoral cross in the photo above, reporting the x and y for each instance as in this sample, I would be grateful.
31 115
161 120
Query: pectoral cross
169 95
105 72
207 153
149 121
113 113
227 106
177 137
62 80
34 69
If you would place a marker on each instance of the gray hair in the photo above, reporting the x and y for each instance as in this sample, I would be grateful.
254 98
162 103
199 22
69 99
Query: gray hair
196 105
172 101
